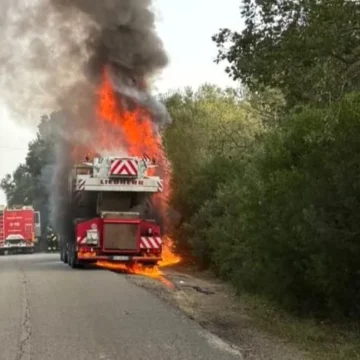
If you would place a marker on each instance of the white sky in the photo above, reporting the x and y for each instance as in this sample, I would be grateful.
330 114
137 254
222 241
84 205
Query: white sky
186 28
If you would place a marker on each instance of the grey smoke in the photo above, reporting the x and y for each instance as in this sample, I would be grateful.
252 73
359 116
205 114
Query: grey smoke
52 57
48 47
123 35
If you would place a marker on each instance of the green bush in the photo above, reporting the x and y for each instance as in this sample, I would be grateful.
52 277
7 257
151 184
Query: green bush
210 127
287 225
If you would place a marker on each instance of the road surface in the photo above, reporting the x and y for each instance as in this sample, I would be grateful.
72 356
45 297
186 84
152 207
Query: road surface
49 311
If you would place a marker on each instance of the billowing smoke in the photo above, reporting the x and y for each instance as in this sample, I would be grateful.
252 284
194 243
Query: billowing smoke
53 54
53 51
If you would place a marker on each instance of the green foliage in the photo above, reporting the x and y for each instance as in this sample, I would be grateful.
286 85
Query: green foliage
287 224
308 49
209 127
267 184
18 187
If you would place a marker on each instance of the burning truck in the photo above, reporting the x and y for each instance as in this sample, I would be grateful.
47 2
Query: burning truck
110 213
113 208
95 63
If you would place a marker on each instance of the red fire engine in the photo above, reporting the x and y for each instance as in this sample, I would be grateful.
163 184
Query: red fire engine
110 216
19 229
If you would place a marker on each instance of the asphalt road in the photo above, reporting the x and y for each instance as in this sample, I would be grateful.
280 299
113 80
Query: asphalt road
49 311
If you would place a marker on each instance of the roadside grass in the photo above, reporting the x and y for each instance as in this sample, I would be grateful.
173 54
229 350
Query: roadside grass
319 340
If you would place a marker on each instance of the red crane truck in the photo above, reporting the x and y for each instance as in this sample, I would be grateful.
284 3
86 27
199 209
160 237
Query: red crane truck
19 229
109 215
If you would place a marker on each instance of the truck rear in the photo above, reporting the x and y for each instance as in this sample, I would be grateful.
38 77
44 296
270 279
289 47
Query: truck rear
18 229
112 218
118 237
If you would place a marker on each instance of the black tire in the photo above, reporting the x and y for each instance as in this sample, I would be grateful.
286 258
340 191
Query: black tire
73 261
62 254
66 255
70 257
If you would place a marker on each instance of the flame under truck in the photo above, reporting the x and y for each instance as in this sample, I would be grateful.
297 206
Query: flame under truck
109 215
19 229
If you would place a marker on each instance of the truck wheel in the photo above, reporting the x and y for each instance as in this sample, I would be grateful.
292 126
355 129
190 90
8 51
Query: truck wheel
73 261
62 254
66 255
70 257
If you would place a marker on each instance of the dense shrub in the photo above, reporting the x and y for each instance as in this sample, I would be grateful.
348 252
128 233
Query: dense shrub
288 225
210 127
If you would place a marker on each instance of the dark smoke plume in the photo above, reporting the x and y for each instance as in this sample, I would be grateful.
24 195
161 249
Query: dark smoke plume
52 49
53 54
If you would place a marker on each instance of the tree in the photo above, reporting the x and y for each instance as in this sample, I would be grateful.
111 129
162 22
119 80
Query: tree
286 223
18 187
307 48
29 184
210 126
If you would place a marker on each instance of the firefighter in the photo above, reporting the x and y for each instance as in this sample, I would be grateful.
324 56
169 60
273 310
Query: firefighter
52 240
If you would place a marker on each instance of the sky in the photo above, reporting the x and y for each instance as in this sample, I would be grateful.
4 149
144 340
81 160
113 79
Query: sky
186 28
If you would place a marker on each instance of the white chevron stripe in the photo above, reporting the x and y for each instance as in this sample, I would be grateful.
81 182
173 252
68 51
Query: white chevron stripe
153 243
146 243
150 242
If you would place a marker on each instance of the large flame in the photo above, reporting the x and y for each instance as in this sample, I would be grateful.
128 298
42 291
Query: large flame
168 256
131 131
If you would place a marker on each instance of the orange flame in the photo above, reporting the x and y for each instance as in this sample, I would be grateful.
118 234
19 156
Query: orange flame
133 132
168 259
137 269
133 129
168 256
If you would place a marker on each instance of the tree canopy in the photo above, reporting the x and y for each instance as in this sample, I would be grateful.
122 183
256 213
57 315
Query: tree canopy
308 49
28 185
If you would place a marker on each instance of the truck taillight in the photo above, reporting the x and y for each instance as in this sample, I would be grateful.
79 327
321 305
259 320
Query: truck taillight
150 231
